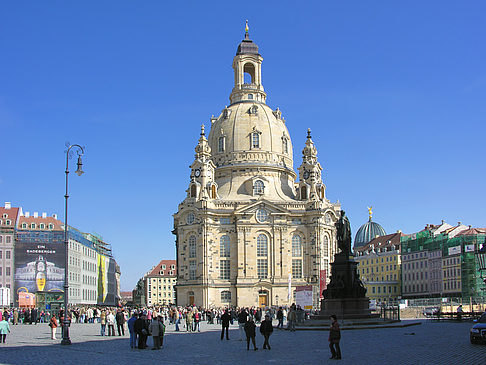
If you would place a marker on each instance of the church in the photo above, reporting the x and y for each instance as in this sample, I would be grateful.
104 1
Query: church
249 230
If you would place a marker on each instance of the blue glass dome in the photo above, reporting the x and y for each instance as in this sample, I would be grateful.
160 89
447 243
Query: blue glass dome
367 232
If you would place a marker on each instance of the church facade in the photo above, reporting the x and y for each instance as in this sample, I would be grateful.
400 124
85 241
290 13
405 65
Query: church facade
251 229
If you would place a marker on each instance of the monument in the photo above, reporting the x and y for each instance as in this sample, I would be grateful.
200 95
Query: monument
345 295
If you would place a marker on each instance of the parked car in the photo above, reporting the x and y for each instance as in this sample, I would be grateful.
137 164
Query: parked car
430 311
478 331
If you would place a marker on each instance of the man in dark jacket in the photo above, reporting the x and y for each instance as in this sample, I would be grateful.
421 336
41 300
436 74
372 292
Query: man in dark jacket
225 321
242 318
266 330
250 333
120 322
142 331
280 318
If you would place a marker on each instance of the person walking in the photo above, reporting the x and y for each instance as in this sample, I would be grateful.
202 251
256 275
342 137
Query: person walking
225 321
197 321
266 330
15 317
4 329
156 329
120 322
131 330
291 319
110 321
334 338
103 322
162 334
53 324
250 331
280 317
242 319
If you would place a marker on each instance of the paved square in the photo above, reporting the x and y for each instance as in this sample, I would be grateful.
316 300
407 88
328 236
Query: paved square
428 343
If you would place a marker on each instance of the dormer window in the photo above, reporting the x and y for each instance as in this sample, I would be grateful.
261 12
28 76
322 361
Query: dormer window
32 226
255 140
250 96
8 222
221 143
258 187
42 226
5 215
51 226
24 225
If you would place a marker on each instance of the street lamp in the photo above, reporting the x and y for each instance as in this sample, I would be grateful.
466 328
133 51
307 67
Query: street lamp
65 333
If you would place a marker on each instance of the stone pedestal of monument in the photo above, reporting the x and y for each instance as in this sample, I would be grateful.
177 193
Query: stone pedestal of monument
345 295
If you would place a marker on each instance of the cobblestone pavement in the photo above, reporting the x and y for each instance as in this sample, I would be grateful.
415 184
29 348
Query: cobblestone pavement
428 343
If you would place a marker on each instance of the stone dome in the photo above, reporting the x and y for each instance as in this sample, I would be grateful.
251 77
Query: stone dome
251 134
367 232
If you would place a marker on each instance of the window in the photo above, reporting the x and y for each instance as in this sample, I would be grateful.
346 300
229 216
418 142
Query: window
163 267
262 242
8 222
221 144
24 225
7 255
226 296
224 269
303 192
255 140
192 246
224 246
258 187
297 268
32 225
261 215
42 226
192 270
1 254
262 268
250 96
7 271
193 191
190 218
296 245
224 221
213 191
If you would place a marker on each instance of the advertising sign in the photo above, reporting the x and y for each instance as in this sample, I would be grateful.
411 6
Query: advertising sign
39 263
303 296
322 282
454 250
469 248
5 297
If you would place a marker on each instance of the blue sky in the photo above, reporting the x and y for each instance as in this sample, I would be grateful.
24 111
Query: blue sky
394 92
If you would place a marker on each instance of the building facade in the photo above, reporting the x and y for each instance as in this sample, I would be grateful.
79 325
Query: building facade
439 261
8 223
38 256
161 282
379 264
247 229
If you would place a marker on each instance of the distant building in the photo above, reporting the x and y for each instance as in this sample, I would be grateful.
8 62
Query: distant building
379 265
367 232
160 283
37 255
126 298
439 261
8 222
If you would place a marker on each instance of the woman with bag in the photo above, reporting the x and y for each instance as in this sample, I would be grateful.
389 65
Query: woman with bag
53 325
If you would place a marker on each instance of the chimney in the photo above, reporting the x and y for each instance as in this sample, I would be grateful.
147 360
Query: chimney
44 215
8 205
54 216
459 223
27 214
36 214
442 221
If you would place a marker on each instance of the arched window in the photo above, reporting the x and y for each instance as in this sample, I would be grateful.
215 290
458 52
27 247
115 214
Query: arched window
328 218
51 226
296 245
24 225
258 187
224 246
249 73
303 192
262 245
250 96
32 225
42 226
285 146
192 246
221 144
325 247
255 140
193 191
213 191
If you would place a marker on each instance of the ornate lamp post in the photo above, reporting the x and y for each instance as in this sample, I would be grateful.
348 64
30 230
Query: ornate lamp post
66 322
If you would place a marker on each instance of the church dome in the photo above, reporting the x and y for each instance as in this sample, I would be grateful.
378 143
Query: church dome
250 133
367 232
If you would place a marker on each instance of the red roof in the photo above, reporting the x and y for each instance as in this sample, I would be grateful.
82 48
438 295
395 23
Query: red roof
159 269
472 231
11 215
382 241
38 220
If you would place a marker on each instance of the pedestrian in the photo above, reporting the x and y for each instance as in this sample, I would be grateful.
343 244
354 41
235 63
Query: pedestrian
250 329
334 338
103 322
155 329
33 316
291 319
4 329
266 330
459 312
110 321
53 324
242 319
120 322
162 334
189 318
280 317
197 321
225 321
15 317
131 330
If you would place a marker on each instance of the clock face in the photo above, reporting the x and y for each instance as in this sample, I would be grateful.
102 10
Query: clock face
306 174
197 173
